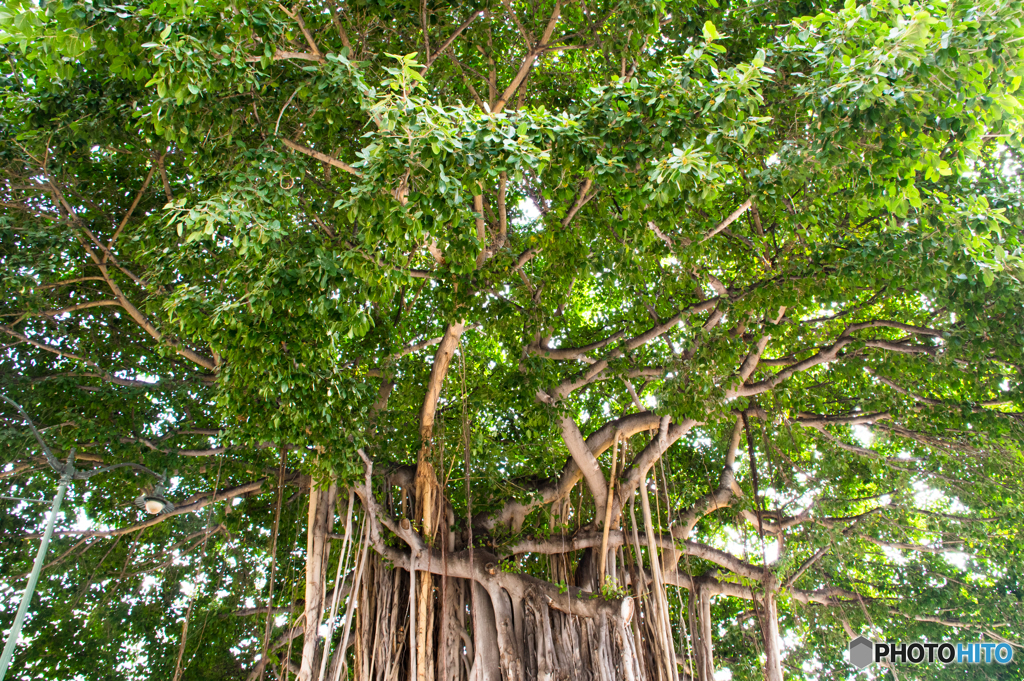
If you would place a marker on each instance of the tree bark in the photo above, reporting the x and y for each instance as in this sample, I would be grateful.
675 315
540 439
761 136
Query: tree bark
486 666
658 600
700 628
769 615
428 498
509 654
321 521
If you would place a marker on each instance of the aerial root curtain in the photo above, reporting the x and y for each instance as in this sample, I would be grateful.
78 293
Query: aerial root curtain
491 624
477 635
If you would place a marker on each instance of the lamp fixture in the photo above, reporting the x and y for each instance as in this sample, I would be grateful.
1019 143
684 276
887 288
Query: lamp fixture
154 502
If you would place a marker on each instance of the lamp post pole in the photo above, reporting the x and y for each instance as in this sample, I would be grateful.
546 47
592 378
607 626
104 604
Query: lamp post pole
26 598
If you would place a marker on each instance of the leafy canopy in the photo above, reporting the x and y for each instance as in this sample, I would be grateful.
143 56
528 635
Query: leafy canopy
229 228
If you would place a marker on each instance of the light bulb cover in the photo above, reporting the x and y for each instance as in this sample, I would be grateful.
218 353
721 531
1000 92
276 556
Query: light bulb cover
154 504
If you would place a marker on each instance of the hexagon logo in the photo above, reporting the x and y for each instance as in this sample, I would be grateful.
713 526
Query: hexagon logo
862 652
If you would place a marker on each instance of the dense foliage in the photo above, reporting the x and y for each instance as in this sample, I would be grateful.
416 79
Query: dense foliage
513 261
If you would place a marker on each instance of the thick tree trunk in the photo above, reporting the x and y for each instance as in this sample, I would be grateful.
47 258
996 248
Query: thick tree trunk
449 664
427 503
509 653
546 637
321 521
428 500
382 627
769 615
486 665
700 628
522 627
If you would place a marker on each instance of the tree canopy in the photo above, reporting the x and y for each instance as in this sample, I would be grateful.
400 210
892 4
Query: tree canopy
364 285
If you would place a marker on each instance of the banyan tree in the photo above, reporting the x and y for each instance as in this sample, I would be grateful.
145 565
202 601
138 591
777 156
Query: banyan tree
639 341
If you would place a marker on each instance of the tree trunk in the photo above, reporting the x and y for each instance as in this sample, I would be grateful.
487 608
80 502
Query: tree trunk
508 644
429 501
544 638
321 521
486 666
382 625
427 506
769 615
700 628
521 627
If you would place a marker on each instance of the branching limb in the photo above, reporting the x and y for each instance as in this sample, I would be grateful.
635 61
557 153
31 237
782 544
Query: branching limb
74 308
633 474
451 39
551 491
55 464
831 352
532 53
804 566
585 460
442 359
128 215
296 16
721 496
938 403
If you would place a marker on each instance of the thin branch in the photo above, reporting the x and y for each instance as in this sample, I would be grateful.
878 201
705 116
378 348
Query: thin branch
320 156
732 217
65 282
74 308
203 501
50 458
297 17
451 39
284 54
532 55
135 203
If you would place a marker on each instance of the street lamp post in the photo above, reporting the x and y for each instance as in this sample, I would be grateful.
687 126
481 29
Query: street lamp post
26 598
155 503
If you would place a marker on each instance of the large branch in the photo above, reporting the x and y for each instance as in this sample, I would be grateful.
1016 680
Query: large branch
587 451
731 218
939 403
722 495
577 353
585 460
853 419
597 368
75 308
442 358
550 491
831 352
451 39
904 546
532 53
48 348
142 320
283 54
617 538
636 472
829 595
